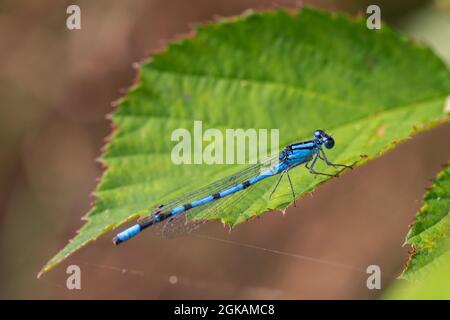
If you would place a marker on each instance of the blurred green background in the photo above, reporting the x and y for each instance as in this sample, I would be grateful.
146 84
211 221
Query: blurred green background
56 86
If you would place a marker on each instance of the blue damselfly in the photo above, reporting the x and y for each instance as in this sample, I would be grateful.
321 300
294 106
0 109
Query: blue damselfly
199 204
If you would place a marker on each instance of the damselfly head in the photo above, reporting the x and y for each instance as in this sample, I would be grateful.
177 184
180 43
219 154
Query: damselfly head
322 137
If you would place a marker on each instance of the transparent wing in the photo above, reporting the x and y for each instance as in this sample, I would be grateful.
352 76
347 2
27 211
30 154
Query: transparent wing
223 184
179 224
233 204
191 220
194 218
187 222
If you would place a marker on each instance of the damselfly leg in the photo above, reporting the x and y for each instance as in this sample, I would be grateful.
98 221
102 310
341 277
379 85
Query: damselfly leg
313 163
276 186
290 183
323 156
292 188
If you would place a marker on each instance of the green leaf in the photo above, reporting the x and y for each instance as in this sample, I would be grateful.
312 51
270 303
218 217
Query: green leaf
294 72
430 234
433 285
429 263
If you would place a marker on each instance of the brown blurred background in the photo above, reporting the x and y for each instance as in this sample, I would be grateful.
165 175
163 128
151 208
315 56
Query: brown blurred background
56 86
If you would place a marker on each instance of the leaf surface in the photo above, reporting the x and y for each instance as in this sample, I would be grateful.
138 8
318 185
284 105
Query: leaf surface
293 72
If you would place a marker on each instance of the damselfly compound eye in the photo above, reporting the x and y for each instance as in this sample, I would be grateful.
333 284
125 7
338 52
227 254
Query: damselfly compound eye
328 142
